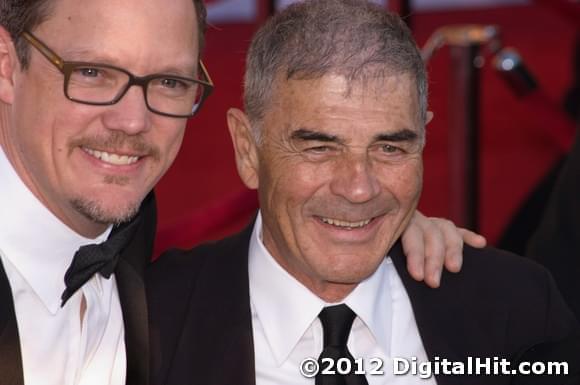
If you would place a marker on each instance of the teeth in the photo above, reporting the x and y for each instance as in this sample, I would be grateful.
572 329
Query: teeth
116 159
347 225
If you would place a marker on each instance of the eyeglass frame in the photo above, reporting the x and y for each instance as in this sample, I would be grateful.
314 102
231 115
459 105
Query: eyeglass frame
67 67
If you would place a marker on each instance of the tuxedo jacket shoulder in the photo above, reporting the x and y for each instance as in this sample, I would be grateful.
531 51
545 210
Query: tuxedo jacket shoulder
129 275
200 316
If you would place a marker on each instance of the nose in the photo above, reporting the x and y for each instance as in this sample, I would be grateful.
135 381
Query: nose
355 180
130 114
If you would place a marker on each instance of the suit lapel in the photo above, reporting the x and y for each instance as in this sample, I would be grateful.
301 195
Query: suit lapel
11 361
445 330
241 308
434 332
425 311
239 336
234 318
217 342
132 297
129 275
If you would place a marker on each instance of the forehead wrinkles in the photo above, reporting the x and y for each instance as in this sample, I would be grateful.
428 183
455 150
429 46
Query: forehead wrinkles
300 102
298 89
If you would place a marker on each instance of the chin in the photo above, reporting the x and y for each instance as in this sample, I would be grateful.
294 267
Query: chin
101 213
351 271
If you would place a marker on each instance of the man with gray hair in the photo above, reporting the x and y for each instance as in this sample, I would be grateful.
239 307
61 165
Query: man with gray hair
94 100
316 291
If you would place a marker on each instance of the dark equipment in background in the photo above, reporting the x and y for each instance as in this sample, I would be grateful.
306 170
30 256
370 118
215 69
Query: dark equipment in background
469 45
524 223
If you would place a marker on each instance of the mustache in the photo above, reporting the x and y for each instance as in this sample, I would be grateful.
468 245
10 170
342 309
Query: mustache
120 141
341 209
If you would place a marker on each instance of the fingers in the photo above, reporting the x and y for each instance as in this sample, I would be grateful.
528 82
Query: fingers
453 245
424 248
413 247
472 239
435 251
431 243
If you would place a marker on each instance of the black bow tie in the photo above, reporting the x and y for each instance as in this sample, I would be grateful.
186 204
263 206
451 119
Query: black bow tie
97 258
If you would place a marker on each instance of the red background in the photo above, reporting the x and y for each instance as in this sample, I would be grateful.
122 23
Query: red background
201 197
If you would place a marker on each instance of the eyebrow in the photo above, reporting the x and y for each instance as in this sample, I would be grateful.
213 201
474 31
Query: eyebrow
87 56
304 135
404 135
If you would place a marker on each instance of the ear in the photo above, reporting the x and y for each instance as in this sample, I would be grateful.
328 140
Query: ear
245 147
8 64
429 117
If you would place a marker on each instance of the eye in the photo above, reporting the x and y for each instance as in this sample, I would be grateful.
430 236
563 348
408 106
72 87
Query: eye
89 72
92 72
319 149
173 83
390 149
95 76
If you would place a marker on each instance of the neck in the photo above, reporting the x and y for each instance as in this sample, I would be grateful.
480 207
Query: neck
83 225
331 292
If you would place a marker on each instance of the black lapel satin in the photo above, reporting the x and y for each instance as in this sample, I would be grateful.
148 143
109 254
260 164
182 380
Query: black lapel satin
217 345
129 274
132 296
426 313
10 356
450 321
241 334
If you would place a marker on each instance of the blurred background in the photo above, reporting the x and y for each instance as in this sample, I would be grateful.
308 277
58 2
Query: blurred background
515 111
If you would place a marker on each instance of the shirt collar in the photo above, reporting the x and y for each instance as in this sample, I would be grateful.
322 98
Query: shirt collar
371 300
33 240
286 308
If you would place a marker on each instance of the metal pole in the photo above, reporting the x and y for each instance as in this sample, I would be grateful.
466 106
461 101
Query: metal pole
463 135
465 43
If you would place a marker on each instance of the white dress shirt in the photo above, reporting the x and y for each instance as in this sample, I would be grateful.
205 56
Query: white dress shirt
287 329
36 249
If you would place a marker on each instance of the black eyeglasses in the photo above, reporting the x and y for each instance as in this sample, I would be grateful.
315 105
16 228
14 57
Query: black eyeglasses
102 84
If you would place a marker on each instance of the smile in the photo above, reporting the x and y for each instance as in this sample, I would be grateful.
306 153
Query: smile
345 224
111 158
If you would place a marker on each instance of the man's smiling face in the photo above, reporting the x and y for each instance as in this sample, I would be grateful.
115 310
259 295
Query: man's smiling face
339 174
93 165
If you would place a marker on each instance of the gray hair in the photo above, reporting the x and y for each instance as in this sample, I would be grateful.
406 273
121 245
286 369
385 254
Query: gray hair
352 38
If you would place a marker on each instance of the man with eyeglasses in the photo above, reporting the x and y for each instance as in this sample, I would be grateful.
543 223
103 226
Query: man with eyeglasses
80 151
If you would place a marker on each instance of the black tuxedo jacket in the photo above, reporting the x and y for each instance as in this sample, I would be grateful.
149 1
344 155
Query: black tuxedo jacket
200 319
129 274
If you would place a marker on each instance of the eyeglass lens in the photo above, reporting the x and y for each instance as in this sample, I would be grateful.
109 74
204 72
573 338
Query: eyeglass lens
104 85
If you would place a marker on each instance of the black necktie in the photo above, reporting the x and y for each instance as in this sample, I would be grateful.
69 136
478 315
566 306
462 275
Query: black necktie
97 258
336 324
